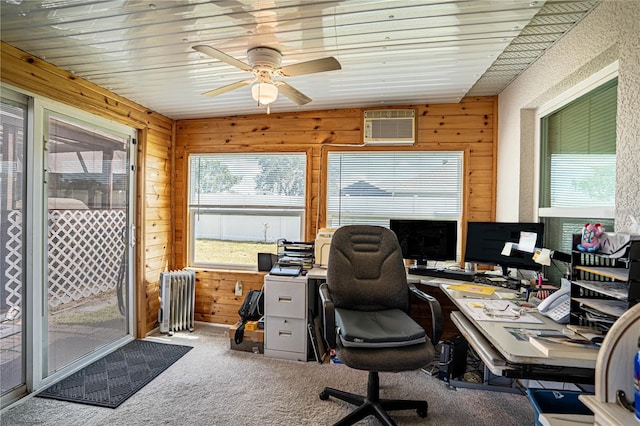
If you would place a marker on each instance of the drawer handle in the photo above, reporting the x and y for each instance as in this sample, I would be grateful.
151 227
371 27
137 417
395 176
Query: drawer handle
286 299
284 333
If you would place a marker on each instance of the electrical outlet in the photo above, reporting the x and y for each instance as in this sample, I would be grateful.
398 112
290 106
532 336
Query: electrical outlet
238 288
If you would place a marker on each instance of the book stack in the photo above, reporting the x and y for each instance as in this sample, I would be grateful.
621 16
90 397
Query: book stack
565 346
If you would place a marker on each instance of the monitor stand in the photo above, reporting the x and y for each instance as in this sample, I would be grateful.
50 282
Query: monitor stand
505 272
511 283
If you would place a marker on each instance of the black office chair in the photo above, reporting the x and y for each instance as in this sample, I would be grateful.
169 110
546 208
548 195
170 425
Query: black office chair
365 303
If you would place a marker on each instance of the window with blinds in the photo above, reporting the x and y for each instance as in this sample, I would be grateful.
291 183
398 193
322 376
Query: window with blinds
373 187
578 167
579 151
241 204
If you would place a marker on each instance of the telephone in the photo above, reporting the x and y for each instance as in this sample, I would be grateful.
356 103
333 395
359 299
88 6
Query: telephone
557 306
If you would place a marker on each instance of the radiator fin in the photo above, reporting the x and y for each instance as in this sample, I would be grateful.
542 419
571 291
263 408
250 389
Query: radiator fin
177 301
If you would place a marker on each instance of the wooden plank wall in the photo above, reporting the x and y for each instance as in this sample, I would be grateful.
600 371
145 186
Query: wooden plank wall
154 251
468 126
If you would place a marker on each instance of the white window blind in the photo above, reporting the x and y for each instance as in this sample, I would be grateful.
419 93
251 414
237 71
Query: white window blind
373 187
241 204
579 151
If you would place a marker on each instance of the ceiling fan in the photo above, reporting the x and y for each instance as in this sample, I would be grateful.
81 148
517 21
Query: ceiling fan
264 64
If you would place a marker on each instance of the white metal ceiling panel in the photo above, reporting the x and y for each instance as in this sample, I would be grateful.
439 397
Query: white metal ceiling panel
391 51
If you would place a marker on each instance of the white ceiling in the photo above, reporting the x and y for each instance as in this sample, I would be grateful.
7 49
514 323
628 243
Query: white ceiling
392 52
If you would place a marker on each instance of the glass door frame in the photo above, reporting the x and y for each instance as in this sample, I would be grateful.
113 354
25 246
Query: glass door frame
51 361
45 108
35 234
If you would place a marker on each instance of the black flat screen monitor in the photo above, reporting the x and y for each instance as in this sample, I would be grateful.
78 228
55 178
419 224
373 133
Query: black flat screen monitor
486 240
424 240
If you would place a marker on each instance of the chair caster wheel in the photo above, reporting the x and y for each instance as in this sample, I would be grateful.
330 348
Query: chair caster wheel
422 412
324 395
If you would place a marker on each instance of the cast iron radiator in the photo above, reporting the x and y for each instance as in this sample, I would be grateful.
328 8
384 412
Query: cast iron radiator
177 301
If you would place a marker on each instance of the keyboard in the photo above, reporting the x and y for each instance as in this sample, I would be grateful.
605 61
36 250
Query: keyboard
450 274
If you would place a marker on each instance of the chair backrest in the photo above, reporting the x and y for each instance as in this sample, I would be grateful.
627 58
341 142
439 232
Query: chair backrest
365 270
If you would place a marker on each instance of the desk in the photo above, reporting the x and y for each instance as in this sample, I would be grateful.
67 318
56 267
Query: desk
504 355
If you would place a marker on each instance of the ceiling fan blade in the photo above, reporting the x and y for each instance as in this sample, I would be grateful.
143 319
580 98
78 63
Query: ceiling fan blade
228 88
291 93
309 67
217 54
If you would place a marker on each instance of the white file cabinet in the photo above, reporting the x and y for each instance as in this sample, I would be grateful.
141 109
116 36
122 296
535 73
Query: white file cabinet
285 317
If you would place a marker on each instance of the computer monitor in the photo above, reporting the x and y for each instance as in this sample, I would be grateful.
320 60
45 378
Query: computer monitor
425 240
486 241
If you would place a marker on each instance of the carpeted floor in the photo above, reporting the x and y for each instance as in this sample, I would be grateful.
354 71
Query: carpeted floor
113 379
213 385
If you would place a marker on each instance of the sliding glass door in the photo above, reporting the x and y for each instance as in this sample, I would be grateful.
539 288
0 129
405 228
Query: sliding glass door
88 216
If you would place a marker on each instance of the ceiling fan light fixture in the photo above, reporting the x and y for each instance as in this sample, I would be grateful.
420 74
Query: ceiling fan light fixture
264 93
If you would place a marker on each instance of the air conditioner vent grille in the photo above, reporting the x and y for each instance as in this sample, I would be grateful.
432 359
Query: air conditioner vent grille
389 127
390 113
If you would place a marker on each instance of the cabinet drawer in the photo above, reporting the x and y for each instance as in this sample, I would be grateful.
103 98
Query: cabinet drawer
285 299
285 334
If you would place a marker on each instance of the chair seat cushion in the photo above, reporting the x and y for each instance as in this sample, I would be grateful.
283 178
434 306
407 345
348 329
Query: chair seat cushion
377 329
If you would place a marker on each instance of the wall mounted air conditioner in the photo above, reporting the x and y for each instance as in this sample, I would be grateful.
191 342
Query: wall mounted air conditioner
389 127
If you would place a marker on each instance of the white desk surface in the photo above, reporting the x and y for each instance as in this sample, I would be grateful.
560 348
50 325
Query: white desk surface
513 350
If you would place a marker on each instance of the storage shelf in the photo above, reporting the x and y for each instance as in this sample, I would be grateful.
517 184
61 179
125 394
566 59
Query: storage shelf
603 288
613 308
619 274
616 289
618 315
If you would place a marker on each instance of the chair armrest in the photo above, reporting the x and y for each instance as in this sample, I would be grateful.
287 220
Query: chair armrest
436 312
328 316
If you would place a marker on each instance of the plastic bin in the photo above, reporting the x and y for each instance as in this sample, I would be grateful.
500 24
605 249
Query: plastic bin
556 401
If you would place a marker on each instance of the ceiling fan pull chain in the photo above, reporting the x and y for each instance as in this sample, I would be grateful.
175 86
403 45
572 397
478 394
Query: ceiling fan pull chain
259 89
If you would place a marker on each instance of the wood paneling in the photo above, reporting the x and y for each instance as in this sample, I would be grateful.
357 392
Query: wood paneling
215 294
467 126
154 232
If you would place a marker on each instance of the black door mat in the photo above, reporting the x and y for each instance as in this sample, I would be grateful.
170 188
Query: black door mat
114 378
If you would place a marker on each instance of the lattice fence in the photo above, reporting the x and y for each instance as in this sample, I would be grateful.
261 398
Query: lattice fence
86 249
13 261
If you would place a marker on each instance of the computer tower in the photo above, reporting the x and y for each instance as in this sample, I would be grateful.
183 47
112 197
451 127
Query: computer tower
453 358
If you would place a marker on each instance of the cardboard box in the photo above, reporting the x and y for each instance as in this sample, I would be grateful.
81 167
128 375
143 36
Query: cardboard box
252 341
250 335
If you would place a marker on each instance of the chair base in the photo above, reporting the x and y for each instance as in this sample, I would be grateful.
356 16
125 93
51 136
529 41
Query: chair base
372 404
